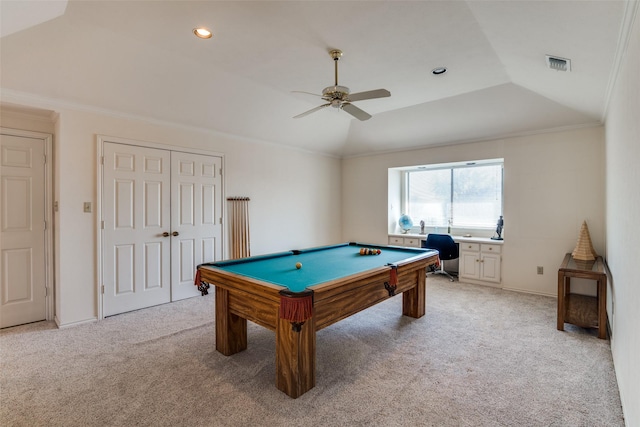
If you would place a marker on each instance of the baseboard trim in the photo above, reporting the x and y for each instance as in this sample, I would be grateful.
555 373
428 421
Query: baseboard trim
72 324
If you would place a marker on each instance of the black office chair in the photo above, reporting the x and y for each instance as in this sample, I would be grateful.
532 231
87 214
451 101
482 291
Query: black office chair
447 247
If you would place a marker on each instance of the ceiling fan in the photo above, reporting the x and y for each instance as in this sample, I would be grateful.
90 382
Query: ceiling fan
340 97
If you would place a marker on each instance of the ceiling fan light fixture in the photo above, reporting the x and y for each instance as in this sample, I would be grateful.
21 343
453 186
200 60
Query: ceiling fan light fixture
202 32
335 92
439 70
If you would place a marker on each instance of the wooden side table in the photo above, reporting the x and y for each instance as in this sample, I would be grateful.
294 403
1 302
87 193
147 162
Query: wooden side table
582 310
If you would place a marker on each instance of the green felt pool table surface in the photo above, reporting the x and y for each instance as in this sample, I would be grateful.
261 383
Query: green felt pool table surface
319 265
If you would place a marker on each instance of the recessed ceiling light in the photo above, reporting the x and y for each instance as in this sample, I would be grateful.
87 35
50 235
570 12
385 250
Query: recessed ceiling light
438 71
202 32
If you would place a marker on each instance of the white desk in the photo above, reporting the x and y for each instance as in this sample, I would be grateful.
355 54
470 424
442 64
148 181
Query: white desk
480 258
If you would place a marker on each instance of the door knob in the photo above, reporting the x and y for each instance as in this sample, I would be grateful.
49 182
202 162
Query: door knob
175 233
165 234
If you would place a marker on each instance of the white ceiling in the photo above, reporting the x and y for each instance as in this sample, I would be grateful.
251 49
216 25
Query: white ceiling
141 58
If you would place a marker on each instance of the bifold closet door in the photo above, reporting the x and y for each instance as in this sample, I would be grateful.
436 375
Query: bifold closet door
196 215
137 227
162 213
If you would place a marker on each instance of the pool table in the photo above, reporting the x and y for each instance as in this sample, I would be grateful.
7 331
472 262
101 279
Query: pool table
331 284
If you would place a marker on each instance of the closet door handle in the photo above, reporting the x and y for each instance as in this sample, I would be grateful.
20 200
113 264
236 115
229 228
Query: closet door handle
165 234
175 233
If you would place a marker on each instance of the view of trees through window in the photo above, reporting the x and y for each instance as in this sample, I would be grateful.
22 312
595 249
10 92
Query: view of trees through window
467 196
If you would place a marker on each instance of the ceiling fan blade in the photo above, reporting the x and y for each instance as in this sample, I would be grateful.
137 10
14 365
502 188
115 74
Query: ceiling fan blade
370 94
355 111
308 93
313 110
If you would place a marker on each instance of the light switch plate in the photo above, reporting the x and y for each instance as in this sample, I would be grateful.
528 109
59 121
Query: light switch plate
87 207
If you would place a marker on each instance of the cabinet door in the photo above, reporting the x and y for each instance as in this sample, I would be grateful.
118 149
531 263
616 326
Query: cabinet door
469 265
490 267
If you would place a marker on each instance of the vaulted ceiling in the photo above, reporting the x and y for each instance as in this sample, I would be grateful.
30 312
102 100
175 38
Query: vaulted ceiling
141 58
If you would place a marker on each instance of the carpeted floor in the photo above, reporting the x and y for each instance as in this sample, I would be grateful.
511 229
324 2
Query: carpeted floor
479 357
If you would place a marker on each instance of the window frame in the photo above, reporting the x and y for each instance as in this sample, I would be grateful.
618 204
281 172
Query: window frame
405 184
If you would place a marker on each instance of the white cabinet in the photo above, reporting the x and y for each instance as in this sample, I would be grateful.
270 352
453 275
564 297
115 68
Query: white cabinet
480 261
413 242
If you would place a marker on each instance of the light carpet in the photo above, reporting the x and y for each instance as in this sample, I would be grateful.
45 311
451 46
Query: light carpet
479 357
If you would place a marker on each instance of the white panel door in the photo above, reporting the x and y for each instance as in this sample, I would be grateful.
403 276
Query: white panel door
136 235
22 231
196 212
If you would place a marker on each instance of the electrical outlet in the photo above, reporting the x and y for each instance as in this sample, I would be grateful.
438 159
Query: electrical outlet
540 270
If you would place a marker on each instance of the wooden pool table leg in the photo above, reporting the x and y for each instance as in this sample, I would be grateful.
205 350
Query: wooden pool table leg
231 330
295 357
414 300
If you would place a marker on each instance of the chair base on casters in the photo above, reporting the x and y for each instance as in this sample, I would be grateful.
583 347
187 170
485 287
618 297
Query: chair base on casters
446 247
442 271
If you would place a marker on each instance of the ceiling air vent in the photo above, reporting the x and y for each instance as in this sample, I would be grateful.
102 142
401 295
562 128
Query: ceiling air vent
558 64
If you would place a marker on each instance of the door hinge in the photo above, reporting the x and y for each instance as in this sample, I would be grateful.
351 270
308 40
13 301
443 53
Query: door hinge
220 171
44 159
102 160
102 225
220 220
45 225
102 289
46 291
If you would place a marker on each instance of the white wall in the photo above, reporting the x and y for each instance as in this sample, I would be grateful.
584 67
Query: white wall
622 223
553 182
295 195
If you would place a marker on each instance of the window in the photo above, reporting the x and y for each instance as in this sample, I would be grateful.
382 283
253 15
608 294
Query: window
467 195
